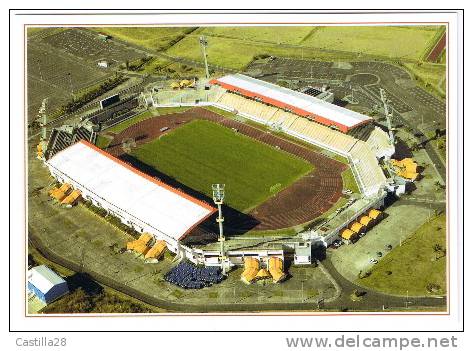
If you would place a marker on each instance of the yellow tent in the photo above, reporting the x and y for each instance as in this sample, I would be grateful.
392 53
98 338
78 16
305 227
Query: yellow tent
374 213
72 197
157 250
63 188
145 238
185 83
251 270
276 268
263 274
348 234
137 246
39 150
406 168
366 221
356 227
409 175
175 85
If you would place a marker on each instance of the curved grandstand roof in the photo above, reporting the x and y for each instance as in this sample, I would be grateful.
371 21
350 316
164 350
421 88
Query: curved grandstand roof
300 103
153 202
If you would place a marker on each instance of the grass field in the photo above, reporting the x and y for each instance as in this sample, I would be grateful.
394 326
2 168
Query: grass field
154 38
408 42
235 47
430 76
349 181
201 153
275 34
415 264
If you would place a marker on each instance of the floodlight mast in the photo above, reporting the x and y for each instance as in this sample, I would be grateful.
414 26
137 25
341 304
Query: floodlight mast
218 194
388 114
204 43
43 118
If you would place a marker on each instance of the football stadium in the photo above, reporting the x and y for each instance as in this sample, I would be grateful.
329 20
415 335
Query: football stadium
237 156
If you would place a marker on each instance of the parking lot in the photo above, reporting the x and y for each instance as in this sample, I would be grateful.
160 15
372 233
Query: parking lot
55 76
419 107
349 260
87 45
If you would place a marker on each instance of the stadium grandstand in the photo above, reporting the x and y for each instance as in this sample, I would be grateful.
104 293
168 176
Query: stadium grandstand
137 199
296 102
362 155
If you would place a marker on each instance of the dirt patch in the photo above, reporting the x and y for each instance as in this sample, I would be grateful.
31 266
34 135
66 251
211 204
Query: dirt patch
304 200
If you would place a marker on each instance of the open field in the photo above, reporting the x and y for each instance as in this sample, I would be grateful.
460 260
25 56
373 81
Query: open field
274 34
238 53
430 76
408 42
201 153
154 38
235 47
164 67
415 265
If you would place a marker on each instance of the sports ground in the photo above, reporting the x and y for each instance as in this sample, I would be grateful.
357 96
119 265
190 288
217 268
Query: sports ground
201 153
271 182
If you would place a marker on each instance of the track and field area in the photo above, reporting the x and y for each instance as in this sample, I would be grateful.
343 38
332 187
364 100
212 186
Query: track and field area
307 198
201 153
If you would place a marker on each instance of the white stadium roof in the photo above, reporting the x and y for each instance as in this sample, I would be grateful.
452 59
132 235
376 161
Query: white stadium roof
157 204
310 104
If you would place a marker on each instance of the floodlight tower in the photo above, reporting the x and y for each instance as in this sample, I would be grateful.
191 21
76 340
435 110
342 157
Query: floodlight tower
218 194
203 44
388 114
43 118
42 122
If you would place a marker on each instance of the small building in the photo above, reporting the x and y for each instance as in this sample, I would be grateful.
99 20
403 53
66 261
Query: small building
103 64
46 284
302 253
104 37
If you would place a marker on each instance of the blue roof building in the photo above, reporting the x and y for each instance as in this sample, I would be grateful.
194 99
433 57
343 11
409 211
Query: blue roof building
46 284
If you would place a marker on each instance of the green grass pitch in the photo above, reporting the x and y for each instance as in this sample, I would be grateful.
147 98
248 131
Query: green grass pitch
201 153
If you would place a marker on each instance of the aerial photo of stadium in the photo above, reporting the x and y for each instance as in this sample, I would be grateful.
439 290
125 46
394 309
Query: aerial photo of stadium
170 172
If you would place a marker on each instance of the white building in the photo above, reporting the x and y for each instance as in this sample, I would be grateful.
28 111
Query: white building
103 64
137 199
46 284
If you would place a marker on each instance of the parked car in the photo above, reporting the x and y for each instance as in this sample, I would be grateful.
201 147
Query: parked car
336 244
373 260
